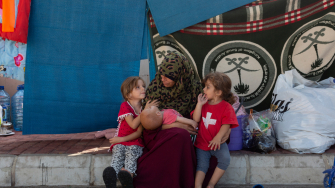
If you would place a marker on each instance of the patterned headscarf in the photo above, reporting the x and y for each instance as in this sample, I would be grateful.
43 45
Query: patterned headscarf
181 97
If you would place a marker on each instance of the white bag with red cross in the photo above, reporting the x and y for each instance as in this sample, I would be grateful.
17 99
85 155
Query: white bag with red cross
304 113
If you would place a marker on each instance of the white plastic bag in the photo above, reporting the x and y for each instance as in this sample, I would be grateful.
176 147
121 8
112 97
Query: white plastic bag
304 113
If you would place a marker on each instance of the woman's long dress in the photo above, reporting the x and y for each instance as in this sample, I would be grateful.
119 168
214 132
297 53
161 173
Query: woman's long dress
168 160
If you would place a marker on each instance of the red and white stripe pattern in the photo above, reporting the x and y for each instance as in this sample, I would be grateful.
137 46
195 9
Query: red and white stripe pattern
255 21
255 3
152 23
326 3
292 11
214 29
254 18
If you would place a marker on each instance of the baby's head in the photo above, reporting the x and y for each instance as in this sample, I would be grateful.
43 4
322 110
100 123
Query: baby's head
151 118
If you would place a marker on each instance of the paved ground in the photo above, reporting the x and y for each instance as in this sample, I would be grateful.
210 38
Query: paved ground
73 143
53 144
223 186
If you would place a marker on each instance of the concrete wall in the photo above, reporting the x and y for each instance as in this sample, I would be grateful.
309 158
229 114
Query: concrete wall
86 169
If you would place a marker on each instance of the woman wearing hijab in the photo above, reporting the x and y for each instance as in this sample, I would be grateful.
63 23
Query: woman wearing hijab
168 158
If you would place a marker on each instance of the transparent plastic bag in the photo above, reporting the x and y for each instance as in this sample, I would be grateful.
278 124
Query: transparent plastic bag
258 132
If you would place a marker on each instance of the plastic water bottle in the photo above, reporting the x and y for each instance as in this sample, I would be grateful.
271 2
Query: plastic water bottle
17 108
5 103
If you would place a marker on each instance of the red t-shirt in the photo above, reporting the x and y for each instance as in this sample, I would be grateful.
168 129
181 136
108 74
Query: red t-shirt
170 116
123 128
212 117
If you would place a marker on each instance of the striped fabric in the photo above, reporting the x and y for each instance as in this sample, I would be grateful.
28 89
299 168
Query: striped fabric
255 43
256 18
178 14
292 11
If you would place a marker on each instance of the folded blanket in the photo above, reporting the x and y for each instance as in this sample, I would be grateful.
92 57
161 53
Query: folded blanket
108 133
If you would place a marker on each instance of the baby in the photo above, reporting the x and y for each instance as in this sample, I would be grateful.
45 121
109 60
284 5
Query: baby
152 118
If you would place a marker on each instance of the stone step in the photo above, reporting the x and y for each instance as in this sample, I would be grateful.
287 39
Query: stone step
218 186
86 170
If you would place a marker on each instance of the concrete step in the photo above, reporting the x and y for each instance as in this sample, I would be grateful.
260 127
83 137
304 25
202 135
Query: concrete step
85 170
79 160
218 186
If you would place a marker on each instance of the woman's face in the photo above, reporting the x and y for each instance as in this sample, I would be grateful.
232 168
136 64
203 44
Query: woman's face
167 82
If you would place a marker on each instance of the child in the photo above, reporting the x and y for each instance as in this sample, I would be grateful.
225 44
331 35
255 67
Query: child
127 147
216 117
152 118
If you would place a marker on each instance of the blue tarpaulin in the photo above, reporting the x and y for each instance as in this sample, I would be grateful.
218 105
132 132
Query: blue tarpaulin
78 54
173 15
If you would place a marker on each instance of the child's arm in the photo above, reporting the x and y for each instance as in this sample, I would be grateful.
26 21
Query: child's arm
202 99
187 121
133 122
130 137
226 136
215 143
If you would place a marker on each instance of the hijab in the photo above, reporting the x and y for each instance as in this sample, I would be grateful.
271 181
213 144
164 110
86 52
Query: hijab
181 97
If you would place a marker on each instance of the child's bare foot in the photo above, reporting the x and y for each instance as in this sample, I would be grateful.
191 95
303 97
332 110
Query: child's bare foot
209 186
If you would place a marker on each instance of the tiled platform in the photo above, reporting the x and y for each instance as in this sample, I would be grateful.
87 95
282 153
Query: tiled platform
79 159
53 144
75 143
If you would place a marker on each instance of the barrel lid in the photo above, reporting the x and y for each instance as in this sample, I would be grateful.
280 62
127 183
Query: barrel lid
2 87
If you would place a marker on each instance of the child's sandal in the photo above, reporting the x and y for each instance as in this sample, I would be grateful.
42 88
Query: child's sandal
125 179
109 176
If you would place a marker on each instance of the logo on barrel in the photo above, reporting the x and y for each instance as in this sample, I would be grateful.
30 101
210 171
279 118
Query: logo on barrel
311 49
250 67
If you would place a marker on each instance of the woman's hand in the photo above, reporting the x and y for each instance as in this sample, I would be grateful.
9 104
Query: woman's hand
215 143
187 127
225 137
151 103
202 99
116 140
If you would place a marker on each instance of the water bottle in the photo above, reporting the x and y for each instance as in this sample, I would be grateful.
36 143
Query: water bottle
17 108
5 103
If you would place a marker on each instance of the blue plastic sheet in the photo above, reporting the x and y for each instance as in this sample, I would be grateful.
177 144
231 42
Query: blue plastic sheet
173 15
79 52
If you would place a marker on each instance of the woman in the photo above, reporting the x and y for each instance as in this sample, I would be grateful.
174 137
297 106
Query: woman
168 158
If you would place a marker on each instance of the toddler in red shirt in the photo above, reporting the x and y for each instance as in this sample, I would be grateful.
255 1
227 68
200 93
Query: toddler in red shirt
152 118
215 115
127 146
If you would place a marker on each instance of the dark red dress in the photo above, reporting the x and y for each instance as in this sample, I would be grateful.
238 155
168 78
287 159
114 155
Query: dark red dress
168 160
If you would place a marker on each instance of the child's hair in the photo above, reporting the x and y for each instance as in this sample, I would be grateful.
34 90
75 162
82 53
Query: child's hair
128 85
221 82
150 120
